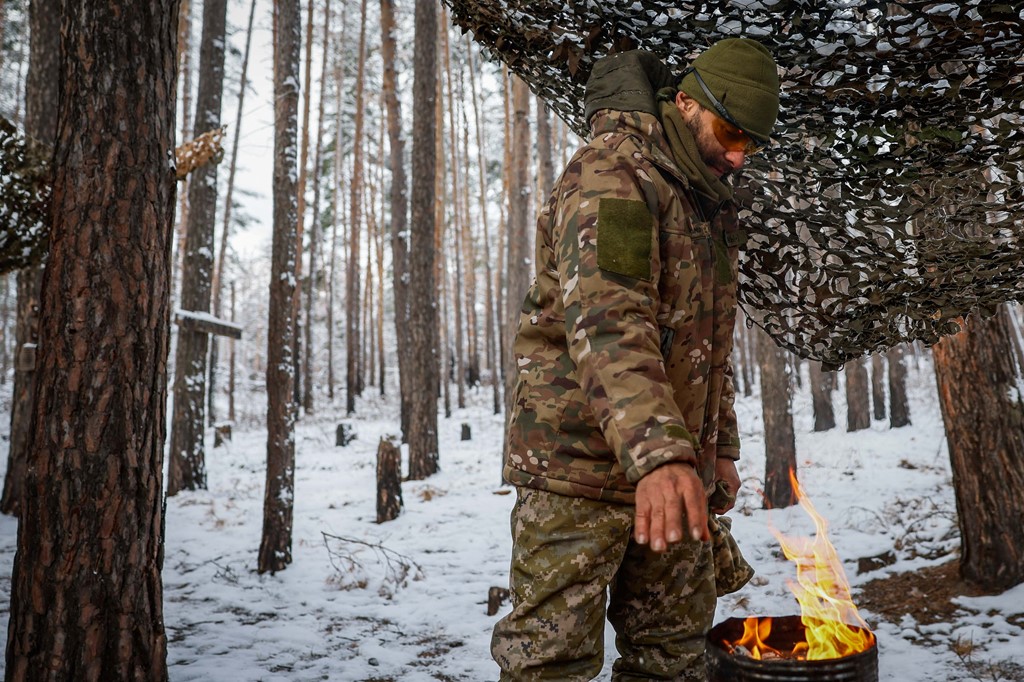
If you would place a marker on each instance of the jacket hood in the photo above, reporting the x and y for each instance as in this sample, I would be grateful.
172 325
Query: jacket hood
626 81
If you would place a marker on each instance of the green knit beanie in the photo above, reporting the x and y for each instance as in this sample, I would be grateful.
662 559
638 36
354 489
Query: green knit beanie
741 73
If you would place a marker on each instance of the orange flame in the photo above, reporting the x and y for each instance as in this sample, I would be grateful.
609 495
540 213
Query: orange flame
834 628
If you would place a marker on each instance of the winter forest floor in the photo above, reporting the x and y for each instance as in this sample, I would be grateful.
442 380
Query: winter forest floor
406 601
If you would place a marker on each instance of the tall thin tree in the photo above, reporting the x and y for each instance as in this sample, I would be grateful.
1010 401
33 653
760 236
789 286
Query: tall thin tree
278 502
86 598
314 224
352 330
422 299
399 210
298 322
225 229
899 407
858 406
490 313
187 458
518 241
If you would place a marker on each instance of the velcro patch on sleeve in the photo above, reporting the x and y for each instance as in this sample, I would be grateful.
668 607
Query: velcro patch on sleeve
624 237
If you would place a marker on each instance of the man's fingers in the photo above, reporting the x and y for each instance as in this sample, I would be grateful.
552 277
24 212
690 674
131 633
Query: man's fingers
658 525
642 525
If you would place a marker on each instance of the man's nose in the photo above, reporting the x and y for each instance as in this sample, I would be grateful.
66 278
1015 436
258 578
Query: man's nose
735 159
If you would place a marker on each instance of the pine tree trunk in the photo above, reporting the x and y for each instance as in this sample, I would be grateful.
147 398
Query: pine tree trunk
981 401
86 598
278 502
399 211
352 331
337 199
218 274
40 124
369 357
231 363
501 272
517 234
441 262
5 306
779 437
380 255
422 328
298 321
468 244
545 165
899 407
187 457
858 409
458 227
877 386
185 79
490 316
314 226
821 398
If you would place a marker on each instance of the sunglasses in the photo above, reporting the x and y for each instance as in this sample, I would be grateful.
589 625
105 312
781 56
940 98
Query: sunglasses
727 131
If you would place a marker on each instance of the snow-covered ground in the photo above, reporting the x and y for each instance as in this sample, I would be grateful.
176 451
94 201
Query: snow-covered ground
406 600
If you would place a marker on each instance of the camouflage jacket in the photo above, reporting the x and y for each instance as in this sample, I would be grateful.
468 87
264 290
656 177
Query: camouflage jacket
624 337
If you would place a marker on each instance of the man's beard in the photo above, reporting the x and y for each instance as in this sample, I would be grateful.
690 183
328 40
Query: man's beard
705 141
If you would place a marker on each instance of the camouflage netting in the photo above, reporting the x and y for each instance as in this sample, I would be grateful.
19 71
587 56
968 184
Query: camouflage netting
890 205
24 198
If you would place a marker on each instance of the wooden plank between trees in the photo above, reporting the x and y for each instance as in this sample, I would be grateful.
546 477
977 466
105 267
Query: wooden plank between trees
205 323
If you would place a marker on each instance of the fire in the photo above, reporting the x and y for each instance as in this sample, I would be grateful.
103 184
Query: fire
834 628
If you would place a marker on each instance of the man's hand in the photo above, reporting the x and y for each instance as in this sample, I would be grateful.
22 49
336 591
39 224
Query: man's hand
663 498
725 471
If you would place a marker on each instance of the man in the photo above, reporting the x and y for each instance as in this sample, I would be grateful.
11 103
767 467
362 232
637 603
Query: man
622 416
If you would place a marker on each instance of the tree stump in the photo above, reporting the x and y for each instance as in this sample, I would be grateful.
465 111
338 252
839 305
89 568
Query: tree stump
389 480
345 435
496 596
466 432
221 434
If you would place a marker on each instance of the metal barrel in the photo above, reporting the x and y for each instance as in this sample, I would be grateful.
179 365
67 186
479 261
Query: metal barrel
723 666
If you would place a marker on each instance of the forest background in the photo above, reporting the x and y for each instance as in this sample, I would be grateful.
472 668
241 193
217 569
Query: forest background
346 334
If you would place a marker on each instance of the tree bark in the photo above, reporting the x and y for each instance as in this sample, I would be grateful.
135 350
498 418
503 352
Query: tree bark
490 315
779 436
821 398
86 601
352 330
298 321
468 239
458 230
422 298
314 225
877 386
187 457
218 273
518 278
337 200
858 409
389 481
399 210
185 80
278 502
41 98
545 165
899 407
981 402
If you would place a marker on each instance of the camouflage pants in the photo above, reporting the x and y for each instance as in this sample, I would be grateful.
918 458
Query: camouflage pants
568 553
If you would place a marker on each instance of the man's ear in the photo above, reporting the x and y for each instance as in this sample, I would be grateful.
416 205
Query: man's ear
686 104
